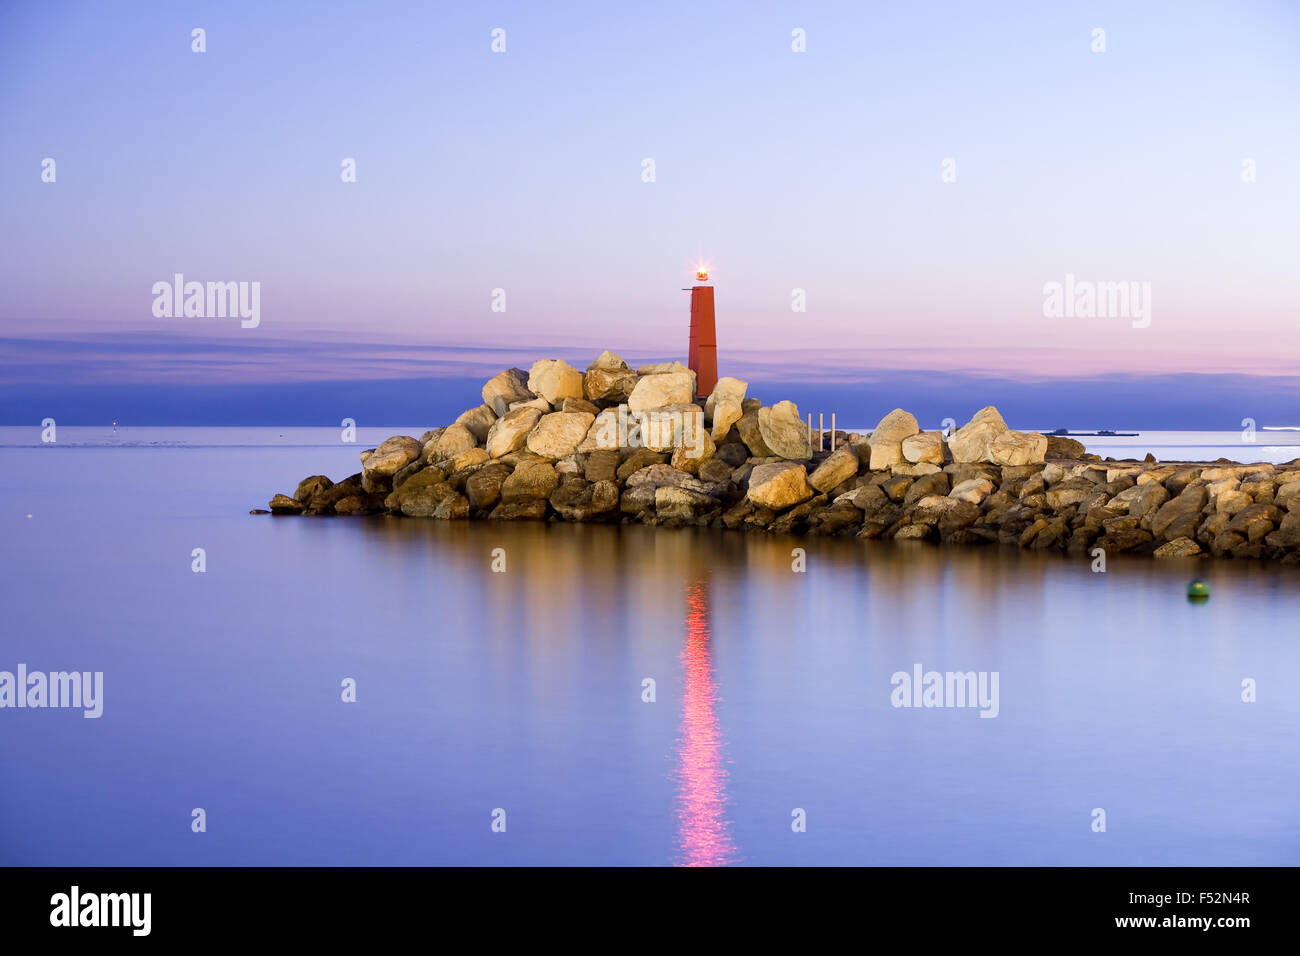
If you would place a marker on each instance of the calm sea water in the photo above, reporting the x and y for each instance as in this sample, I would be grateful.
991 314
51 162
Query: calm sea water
523 690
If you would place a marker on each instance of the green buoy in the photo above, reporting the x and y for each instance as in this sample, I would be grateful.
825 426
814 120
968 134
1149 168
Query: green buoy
1198 590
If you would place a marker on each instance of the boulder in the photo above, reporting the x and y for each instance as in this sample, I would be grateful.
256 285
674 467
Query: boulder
974 440
886 439
639 459
1148 500
1178 548
937 485
608 359
733 453
838 468
923 447
697 449
669 427
658 390
506 388
664 368
1287 534
1231 502
554 380
1058 446
658 475
682 503
920 468
1128 539
391 456
541 404
576 499
454 507
463 464
1287 495
634 501
784 432
323 501
422 494
728 389
308 487
726 413
1071 491
407 471
579 405
478 420
974 490
1255 521
454 440
284 505
714 471
1018 448
532 479
839 518
375 483
483 488
531 509
609 384
1186 507
779 485
601 465
751 434
895 426
603 433
558 434
510 432
364 504
896 486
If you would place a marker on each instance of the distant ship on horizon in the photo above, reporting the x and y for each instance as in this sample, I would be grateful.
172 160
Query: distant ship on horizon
1103 432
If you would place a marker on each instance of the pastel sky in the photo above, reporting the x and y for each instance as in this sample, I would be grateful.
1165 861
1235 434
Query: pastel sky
522 171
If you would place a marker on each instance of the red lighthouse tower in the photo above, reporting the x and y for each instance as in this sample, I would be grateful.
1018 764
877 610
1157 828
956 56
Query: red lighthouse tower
702 352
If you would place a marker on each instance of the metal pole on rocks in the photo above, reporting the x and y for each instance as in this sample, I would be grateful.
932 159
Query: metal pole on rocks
832 431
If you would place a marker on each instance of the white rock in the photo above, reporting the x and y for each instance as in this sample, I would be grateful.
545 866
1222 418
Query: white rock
555 380
478 420
886 440
504 388
659 389
603 432
608 359
784 432
725 414
973 490
779 485
924 446
974 440
1018 448
728 389
663 368
558 434
511 431
391 456
453 441
835 470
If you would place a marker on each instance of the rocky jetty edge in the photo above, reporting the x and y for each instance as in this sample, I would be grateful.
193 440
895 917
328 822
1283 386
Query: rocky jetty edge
615 444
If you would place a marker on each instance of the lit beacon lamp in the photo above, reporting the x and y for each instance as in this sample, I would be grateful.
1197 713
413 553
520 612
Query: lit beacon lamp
702 351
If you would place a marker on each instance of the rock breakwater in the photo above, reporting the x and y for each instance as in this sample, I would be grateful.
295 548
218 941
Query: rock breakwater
615 444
